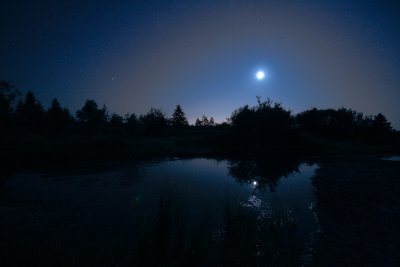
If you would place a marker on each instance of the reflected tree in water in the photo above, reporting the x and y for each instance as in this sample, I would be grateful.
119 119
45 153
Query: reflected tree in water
265 174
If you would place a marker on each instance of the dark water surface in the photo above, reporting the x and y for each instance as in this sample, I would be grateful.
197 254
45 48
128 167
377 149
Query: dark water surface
392 158
138 211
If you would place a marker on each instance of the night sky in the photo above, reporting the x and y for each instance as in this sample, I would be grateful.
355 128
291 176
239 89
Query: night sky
203 55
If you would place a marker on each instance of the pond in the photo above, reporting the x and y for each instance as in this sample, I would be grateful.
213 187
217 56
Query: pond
171 212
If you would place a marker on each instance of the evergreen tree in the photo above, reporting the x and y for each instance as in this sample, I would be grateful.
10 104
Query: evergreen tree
204 121
179 119
30 113
211 122
7 95
58 119
131 123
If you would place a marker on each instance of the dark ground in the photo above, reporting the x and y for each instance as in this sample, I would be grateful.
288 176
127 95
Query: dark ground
358 207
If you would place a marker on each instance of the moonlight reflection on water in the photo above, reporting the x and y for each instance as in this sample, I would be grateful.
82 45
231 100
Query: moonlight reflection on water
134 203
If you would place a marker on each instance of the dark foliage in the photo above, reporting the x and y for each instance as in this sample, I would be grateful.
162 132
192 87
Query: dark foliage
265 174
204 121
30 114
267 119
380 125
267 128
116 122
154 122
329 121
90 117
58 119
179 119
342 123
8 93
132 123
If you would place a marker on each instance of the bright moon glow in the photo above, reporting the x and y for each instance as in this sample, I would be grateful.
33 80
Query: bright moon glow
260 75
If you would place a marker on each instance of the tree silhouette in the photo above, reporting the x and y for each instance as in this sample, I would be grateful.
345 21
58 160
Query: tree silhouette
266 172
380 125
341 123
179 119
8 93
265 119
263 126
116 121
30 113
57 118
204 121
91 117
198 122
154 122
132 123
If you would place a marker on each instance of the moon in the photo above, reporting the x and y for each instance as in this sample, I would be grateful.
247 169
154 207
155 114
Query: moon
260 75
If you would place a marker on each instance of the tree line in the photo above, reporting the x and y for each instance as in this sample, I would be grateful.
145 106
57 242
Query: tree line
27 113
267 118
